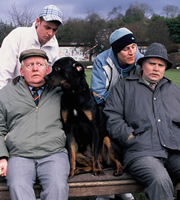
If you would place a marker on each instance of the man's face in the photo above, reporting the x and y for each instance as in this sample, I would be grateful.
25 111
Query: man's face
45 30
127 55
153 69
34 70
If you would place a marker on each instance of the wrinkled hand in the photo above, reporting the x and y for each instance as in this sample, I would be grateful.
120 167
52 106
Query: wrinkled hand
3 167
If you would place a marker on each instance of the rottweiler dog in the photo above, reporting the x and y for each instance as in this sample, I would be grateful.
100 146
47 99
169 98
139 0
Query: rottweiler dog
80 118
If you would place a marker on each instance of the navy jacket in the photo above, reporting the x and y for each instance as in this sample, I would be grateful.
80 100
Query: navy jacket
152 116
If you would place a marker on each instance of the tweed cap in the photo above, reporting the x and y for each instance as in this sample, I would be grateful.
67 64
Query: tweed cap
120 38
33 53
156 50
51 13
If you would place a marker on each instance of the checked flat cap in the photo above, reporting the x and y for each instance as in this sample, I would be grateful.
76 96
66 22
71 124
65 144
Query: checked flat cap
33 53
51 13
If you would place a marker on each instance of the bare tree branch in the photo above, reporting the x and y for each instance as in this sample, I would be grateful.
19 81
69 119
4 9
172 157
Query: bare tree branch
24 17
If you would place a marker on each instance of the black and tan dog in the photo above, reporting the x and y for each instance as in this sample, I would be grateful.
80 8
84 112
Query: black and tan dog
80 118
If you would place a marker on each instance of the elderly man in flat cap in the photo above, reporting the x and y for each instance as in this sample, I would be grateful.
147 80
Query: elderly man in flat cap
41 35
143 114
32 142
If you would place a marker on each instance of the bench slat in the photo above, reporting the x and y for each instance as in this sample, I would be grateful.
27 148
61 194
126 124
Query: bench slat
89 185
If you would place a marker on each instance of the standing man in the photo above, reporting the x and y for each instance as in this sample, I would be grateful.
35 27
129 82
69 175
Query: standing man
143 114
40 35
32 142
111 65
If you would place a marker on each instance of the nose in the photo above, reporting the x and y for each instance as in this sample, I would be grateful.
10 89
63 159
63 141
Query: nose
130 50
50 32
156 67
35 67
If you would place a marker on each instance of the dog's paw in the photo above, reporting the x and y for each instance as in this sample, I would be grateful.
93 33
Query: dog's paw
118 173
98 173
80 171
71 174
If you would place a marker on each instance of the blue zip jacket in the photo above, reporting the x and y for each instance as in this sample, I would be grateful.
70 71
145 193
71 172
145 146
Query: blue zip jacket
106 71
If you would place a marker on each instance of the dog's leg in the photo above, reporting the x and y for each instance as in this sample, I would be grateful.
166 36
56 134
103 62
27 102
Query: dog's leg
85 161
96 150
97 170
107 150
67 117
72 154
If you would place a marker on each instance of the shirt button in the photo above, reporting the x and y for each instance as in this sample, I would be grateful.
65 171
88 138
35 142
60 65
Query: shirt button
159 120
154 98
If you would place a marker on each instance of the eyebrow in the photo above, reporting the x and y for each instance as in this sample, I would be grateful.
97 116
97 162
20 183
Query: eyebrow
160 64
48 27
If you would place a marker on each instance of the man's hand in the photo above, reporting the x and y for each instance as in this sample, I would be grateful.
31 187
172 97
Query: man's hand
3 167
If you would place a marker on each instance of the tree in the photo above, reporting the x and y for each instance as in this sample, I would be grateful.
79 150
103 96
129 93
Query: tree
86 32
158 32
174 28
4 30
115 13
137 12
170 11
95 31
71 31
114 19
23 17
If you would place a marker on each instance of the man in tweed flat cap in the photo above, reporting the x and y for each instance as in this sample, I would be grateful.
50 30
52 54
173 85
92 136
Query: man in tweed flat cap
32 141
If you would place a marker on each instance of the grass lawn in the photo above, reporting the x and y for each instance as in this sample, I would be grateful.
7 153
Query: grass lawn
88 76
173 74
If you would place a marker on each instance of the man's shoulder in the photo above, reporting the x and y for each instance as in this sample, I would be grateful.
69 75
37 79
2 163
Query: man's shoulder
104 54
6 92
21 29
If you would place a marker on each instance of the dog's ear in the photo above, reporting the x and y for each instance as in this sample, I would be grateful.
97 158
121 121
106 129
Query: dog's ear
78 66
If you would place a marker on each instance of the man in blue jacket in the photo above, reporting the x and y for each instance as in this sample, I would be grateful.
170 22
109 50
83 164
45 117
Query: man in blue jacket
111 65
115 63
143 114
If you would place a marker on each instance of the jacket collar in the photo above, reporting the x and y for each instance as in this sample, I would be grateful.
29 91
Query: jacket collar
138 77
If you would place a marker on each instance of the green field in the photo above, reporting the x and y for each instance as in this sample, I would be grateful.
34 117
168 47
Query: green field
173 74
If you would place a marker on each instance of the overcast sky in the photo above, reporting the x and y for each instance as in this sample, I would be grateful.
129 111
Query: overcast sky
80 8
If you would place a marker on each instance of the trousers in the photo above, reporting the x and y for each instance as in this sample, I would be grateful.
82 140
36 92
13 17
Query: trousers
158 175
51 172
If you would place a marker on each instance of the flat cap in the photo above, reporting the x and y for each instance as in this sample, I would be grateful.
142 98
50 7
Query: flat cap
32 53
51 13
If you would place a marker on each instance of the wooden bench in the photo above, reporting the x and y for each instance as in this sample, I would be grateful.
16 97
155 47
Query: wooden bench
89 185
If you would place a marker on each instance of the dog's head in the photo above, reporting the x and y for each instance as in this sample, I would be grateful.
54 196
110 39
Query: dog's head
67 73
